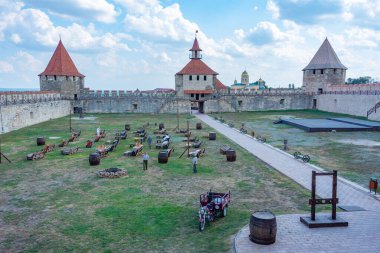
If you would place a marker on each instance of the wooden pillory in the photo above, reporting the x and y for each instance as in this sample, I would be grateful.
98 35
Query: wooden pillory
324 221
2 155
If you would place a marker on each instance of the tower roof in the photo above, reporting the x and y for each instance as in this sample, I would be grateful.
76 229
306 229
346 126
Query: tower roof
195 46
325 58
61 64
219 85
197 67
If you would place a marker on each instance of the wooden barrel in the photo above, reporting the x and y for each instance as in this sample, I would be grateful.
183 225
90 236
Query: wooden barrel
231 155
212 136
263 227
40 141
163 157
199 126
94 159
161 126
127 127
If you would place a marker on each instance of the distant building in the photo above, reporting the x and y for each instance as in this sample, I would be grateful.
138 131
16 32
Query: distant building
246 85
197 81
324 70
62 75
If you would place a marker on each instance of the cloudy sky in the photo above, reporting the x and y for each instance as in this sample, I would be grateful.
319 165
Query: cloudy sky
129 44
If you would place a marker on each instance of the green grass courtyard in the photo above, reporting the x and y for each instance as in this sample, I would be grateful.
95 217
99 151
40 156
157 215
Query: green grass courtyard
59 204
355 155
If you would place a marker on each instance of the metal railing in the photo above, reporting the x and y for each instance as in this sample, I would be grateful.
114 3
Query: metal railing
356 92
373 109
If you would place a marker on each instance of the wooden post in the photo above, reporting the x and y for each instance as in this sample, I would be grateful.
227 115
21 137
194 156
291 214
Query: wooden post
70 121
313 188
177 116
188 136
1 154
334 187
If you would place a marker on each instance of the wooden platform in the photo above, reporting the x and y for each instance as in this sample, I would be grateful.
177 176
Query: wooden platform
332 124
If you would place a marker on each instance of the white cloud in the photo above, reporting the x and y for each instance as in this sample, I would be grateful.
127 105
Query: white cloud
99 10
149 17
273 8
163 57
36 28
15 38
6 67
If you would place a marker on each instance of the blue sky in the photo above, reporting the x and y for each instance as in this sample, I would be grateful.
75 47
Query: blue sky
129 44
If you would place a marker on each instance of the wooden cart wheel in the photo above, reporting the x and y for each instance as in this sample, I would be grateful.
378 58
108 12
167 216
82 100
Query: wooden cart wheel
296 154
202 223
306 158
225 211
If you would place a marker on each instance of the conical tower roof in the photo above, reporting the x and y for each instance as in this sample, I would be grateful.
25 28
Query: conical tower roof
195 46
61 64
325 58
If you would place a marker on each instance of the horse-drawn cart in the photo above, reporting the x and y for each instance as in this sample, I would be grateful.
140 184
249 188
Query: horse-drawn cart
212 206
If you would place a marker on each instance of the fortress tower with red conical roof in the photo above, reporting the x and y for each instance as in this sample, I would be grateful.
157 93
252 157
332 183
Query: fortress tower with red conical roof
324 70
197 81
62 75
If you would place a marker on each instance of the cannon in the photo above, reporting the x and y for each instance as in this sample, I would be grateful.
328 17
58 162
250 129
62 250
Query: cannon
304 158
261 139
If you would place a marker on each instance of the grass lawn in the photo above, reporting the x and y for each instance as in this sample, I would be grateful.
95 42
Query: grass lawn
59 204
333 151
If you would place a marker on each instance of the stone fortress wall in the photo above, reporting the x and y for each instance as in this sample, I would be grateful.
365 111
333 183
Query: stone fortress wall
21 109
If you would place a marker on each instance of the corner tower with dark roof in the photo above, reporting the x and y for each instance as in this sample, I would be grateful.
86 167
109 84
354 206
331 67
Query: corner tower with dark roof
324 70
196 81
62 75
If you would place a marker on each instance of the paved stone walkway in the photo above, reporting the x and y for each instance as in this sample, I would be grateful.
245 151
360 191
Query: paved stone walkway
349 194
361 235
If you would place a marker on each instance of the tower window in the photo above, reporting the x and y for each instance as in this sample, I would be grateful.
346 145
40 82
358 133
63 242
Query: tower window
190 77
334 71
192 95
282 101
197 78
202 95
73 78
204 78
135 106
321 71
55 78
67 78
313 71
240 102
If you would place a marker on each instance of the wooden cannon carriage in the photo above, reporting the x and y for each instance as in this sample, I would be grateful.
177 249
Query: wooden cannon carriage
63 143
70 151
48 148
35 156
136 151
198 152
